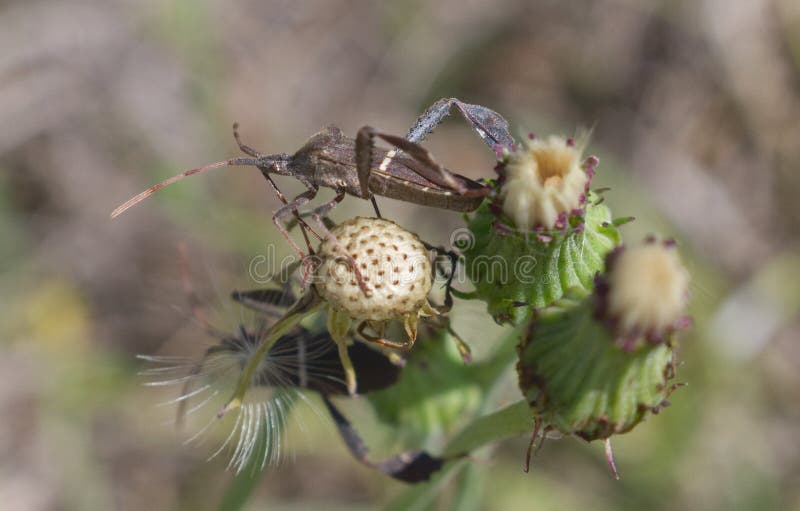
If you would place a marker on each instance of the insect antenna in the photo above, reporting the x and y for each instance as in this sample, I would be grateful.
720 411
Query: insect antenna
153 189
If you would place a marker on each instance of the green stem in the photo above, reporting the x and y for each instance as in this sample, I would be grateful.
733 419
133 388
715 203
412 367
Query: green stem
494 367
513 420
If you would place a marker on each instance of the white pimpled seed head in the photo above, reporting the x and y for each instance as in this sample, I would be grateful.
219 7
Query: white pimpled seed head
393 264
544 179
648 288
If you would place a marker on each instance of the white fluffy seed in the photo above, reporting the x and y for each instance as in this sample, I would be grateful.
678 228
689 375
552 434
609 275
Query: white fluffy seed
392 261
543 179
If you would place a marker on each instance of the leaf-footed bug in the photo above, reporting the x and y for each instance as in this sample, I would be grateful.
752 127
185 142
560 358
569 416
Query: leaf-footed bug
330 159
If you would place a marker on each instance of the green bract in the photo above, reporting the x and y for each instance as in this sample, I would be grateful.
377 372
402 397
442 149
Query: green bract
579 380
515 270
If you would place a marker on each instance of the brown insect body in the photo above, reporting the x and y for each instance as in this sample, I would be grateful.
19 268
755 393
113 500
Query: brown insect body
329 159
332 157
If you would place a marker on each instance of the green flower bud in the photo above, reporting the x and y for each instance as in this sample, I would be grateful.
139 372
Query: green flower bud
596 364
541 232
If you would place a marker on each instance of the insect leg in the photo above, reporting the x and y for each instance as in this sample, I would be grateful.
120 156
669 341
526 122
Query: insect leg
322 211
304 227
489 125
453 259
382 341
461 345
463 348
246 149
270 302
364 148
265 172
410 466
532 445
289 209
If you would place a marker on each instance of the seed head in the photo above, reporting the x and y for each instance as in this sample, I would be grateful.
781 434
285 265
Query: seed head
544 180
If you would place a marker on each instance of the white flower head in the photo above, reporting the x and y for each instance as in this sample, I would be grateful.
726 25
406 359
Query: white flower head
544 180
647 288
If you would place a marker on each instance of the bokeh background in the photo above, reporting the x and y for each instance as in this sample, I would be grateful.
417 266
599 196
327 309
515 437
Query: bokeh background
695 110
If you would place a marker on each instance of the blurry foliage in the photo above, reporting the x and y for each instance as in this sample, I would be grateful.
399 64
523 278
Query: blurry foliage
694 107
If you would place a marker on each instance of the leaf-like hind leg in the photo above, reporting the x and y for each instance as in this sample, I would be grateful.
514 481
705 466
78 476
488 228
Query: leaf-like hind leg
489 125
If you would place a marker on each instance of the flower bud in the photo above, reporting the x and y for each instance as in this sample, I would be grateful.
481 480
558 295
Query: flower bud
587 364
541 232
544 180
643 293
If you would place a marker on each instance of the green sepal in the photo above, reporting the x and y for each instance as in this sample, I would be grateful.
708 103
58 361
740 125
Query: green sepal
579 381
513 272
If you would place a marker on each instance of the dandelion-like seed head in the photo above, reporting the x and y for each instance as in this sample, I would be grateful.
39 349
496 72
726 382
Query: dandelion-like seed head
254 436
544 180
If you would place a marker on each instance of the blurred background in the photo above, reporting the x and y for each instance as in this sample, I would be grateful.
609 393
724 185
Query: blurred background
694 108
